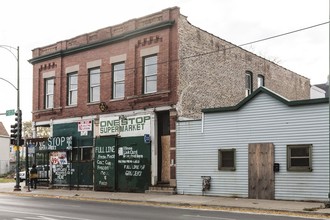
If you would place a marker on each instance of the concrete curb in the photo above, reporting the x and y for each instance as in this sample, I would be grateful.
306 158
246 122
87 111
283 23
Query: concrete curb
186 205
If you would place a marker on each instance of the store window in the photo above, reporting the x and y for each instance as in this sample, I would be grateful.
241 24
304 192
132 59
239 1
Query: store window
82 153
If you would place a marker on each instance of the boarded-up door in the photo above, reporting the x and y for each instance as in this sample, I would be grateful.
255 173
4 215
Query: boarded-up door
261 174
165 141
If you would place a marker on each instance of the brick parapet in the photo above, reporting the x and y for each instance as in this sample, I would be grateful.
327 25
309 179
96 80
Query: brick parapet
108 32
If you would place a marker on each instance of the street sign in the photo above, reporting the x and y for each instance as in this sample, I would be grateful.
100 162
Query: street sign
56 144
10 112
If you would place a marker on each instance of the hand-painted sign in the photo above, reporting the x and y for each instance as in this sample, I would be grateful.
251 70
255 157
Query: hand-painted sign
105 153
55 143
125 127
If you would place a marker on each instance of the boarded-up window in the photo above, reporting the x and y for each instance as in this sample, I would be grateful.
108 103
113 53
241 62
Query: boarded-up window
299 157
226 159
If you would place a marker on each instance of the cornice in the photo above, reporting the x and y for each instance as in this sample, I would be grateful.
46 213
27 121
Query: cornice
126 36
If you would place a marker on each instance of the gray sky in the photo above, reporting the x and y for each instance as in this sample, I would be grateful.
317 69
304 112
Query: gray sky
37 23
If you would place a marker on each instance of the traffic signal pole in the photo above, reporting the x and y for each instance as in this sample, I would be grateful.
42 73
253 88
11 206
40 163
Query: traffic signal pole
18 110
19 134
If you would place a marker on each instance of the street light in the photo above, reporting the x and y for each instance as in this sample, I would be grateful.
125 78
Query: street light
18 138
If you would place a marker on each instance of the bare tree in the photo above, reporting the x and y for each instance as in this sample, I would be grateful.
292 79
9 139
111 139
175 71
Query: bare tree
41 131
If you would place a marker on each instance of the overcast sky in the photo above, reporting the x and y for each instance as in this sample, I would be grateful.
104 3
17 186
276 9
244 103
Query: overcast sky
37 23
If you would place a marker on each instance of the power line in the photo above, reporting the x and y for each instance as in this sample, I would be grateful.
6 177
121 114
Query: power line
287 33
257 41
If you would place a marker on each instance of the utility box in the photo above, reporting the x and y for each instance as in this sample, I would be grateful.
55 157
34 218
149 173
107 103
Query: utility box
206 183
276 167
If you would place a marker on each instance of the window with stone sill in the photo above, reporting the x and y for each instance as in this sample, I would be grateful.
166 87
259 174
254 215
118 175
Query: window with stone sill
150 74
72 88
49 93
118 87
94 84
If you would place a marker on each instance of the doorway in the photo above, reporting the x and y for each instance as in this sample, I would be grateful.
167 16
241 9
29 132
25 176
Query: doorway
261 173
163 124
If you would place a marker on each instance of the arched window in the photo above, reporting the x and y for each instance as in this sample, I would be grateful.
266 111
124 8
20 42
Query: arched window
261 80
248 83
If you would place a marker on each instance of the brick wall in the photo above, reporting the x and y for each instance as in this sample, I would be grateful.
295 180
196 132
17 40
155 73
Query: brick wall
212 73
165 40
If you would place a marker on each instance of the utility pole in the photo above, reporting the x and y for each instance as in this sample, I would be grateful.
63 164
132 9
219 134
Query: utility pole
18 112
19 134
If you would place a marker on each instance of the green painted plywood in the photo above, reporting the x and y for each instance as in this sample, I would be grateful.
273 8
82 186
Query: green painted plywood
134 160
105 152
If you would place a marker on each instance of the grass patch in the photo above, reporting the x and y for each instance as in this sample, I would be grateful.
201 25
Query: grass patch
6 180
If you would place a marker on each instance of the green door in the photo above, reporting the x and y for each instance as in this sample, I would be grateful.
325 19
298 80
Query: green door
134 160
105 152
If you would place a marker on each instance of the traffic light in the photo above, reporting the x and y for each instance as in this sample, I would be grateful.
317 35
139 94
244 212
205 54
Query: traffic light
16 130
18 118
13 135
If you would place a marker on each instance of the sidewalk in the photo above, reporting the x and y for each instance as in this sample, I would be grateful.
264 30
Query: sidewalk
311 209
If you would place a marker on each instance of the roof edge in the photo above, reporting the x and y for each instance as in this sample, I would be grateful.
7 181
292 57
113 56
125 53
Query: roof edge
272 94
125 36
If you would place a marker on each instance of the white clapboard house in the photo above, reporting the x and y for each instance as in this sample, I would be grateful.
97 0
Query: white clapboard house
265 147
4 150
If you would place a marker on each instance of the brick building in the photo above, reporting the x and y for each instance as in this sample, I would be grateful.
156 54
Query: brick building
126 86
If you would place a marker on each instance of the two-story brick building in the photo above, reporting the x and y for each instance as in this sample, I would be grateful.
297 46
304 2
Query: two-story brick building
117 92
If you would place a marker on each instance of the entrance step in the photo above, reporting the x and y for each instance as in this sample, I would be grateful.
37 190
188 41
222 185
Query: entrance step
168 190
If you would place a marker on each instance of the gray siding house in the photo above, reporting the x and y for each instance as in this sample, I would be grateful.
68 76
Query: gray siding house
265 147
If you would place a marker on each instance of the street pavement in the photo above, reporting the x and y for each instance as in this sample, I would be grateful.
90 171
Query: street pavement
277 207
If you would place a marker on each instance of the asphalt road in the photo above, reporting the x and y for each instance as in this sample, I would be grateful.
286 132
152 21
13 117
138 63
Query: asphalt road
33 208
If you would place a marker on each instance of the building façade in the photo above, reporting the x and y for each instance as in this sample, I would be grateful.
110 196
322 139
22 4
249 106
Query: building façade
116 94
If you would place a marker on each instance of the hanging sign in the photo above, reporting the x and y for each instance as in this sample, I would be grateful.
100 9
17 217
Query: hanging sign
84 125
